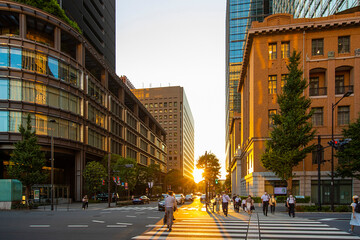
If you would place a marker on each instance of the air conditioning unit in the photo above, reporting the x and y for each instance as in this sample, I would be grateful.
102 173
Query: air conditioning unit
331 54
357 52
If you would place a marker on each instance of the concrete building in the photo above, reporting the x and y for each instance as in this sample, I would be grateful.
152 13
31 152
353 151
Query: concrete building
330 60
239 15
51 71
170 108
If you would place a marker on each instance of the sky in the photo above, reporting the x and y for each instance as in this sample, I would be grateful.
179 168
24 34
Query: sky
163 43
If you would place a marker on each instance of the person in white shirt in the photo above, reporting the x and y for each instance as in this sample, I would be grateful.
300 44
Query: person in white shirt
291 201
225 203
237 203
265 202
170 205
243 204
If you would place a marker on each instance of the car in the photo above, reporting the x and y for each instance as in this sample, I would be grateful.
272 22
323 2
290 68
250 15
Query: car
141 200
189 198
103 197
203 198
161 203
180 198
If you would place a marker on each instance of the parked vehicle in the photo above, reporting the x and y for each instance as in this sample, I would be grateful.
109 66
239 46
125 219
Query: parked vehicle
189 198
141 200
103 197
180 198
203 198
161 203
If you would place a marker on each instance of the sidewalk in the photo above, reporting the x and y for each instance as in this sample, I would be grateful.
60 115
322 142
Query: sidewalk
76 206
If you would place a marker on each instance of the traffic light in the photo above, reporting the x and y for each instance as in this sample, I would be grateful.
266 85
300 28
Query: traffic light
216 181
334 143
103 182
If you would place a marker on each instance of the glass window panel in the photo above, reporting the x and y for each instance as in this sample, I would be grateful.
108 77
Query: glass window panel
41 124
53 95
15 89
4 121
4 88
64 100
28 60
15 58
28 91
41 63
40 94
63 71
24 120
4 57
63 129
74 131
53 67
15 121
74 76
73 103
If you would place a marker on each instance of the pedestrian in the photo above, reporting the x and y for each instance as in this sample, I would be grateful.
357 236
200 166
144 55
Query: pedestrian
243 204
265 202
217 202
225 203
290 202
249 205
170 206
272 203
85 202
237 203
355 216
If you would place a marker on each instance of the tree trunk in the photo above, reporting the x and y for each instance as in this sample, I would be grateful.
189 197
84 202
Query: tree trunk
289 185
27 193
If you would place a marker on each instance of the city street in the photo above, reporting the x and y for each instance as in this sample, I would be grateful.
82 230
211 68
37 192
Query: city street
145 222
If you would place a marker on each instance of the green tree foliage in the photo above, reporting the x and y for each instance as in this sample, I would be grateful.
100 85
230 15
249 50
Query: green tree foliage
175 179
292 131
52 7
349 155
211 166
127 170
27 160
94 174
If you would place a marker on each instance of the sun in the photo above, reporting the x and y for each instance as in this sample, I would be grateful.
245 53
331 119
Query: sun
198 175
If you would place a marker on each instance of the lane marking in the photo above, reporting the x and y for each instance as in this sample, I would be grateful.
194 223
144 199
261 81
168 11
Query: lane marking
78 226
279 236
139 212
39 226
154 217
129 224
200 234
98 221
130 216
105 212
116 226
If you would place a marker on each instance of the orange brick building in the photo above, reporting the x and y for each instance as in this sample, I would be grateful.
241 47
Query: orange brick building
330 59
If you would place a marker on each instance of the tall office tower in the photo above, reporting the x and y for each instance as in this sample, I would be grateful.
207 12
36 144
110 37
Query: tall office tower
96 19
171 109
313 9
239 16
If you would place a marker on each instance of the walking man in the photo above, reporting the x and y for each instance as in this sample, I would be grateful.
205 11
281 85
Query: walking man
291 201
170 205
225 203
265 202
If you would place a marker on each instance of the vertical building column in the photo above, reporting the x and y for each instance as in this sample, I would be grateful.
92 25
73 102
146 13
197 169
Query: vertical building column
80 54
79 168
330 79
57 38
22 25
355 76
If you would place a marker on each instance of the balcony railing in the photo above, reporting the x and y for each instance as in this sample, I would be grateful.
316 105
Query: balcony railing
321 91
344 89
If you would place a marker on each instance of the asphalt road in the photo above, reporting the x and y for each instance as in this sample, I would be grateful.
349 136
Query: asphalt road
193 221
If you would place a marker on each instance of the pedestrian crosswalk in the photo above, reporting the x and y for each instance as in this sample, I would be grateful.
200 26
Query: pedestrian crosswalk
251 228
131 208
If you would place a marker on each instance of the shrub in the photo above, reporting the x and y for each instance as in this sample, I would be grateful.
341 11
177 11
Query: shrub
343 208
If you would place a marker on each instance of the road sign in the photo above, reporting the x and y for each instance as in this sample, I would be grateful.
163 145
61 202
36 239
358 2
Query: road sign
36 194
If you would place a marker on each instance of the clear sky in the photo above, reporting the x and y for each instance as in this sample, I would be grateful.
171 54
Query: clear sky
178 43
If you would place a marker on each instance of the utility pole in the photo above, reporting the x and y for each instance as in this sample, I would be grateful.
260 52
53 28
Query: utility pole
206 181
319 153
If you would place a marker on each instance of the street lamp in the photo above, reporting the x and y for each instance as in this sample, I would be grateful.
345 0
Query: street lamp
52 164
347 94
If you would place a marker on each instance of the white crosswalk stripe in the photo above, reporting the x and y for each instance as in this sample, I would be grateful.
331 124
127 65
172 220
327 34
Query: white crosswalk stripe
243 229
131 208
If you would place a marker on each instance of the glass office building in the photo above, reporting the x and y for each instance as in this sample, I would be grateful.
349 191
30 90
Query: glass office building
239 16
313 8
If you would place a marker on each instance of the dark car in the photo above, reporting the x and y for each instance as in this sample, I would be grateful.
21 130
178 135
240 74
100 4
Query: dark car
141 200
161 203
189 198
103 197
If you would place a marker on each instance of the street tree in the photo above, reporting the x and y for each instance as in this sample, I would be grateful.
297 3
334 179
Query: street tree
94 174
127 170
27 160
292 131
175 180
211 166
349 155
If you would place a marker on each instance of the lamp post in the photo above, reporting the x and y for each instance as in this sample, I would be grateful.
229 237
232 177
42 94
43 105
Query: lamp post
347 94
52 164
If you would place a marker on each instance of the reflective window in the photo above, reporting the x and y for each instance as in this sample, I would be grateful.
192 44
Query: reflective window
4 121
28 91
272 51
4 57
53 67
272 84
15 121
41 124
53 95
317 47
63 128
344 44
41 94
64 100
4 88
63 71
15 58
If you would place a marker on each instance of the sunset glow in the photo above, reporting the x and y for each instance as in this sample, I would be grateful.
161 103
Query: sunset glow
198 175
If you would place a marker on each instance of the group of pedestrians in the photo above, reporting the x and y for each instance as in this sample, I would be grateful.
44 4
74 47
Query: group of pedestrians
268 201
